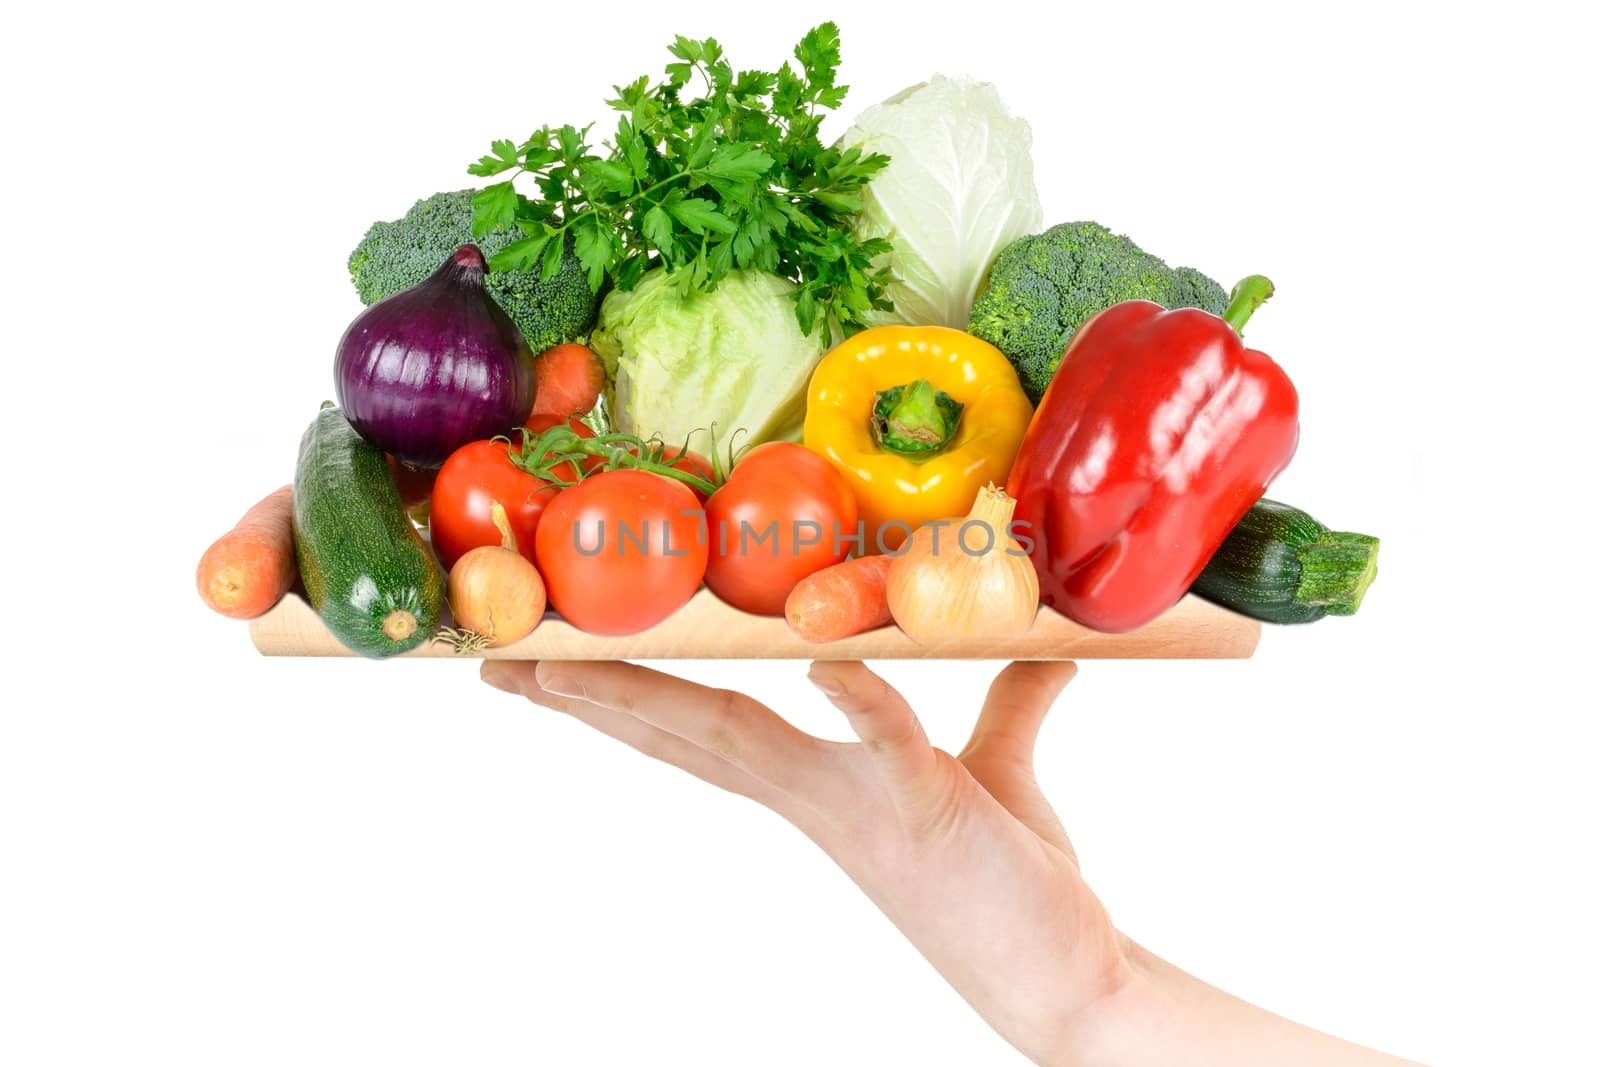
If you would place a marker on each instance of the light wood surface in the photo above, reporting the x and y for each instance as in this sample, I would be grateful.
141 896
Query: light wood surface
706 628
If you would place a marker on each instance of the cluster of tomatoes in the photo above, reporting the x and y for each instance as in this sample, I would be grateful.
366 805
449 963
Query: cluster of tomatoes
621 549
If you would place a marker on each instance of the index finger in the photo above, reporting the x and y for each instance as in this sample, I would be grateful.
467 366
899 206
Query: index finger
882 719
732 726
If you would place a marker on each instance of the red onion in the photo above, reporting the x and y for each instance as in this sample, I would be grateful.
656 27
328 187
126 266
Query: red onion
435 367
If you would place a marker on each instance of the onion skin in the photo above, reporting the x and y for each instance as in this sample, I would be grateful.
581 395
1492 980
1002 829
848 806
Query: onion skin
434 367
497 593
938 593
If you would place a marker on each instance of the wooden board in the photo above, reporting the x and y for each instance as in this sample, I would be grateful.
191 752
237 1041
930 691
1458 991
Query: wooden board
706 628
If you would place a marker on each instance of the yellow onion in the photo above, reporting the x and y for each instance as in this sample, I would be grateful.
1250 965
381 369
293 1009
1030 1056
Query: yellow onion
964 578
496 595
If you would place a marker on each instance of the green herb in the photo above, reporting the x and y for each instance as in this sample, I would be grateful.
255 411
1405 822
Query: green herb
736 177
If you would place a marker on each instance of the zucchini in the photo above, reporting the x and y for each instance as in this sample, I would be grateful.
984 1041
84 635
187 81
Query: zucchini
366 571
1280 565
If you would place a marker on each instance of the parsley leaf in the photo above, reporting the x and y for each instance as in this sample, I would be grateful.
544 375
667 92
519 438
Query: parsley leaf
494 208
709 171
701 216
658 228
739 162
504 156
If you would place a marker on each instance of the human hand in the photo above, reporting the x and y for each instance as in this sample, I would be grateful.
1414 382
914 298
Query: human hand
962 853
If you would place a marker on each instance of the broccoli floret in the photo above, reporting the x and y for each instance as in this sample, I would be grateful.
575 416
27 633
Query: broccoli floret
1194 290
397 255
1044 286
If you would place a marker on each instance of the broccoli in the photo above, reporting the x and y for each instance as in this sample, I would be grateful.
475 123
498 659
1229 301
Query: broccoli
1042 287
397 255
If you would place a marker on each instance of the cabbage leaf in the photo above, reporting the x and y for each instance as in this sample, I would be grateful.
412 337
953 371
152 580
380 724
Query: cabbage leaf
958 189
680 360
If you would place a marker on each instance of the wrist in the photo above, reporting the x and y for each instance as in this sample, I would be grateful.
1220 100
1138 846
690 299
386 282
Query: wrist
1148 1015
1163 1015
1134 1022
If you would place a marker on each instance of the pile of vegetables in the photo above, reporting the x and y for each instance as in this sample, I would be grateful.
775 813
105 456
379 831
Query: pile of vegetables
852 385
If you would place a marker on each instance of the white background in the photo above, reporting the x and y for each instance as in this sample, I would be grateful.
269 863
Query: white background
1381 826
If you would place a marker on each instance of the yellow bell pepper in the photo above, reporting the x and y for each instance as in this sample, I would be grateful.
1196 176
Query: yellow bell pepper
917 419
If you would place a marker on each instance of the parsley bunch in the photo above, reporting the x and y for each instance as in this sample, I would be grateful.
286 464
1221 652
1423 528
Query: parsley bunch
734 177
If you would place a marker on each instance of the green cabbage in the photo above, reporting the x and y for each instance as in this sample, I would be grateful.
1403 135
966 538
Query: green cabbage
679 361
957 190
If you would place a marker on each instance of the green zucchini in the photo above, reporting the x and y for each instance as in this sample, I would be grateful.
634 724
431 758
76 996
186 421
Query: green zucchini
366 571
1280 565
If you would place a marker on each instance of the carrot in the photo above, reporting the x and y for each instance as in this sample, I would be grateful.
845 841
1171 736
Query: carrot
838 601
570 378
249 568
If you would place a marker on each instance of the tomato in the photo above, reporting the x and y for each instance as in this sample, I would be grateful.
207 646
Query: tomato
541 421
692 463
621 551
471 480
784 513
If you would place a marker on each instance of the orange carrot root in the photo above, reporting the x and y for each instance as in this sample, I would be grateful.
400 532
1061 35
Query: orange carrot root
248 569
570 378
842 600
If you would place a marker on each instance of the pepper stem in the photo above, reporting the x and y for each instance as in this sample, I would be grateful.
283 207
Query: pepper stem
917 416
915 420
1335 571
1246 297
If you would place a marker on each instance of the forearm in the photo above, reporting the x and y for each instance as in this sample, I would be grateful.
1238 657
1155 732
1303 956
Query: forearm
1164 1016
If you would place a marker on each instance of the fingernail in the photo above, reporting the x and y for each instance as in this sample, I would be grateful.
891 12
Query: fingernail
501 677
828 686
561 685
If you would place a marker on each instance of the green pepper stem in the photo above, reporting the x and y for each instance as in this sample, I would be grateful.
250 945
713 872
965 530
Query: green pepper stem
1246 297
917 416
915 420
1335 571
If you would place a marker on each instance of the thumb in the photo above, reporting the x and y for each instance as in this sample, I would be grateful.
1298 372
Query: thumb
1000 755
1018 700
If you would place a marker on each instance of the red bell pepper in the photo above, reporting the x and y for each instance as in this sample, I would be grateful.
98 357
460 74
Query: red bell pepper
1158 432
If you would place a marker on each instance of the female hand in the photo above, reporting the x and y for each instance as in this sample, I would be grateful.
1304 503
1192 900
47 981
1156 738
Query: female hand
962 853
